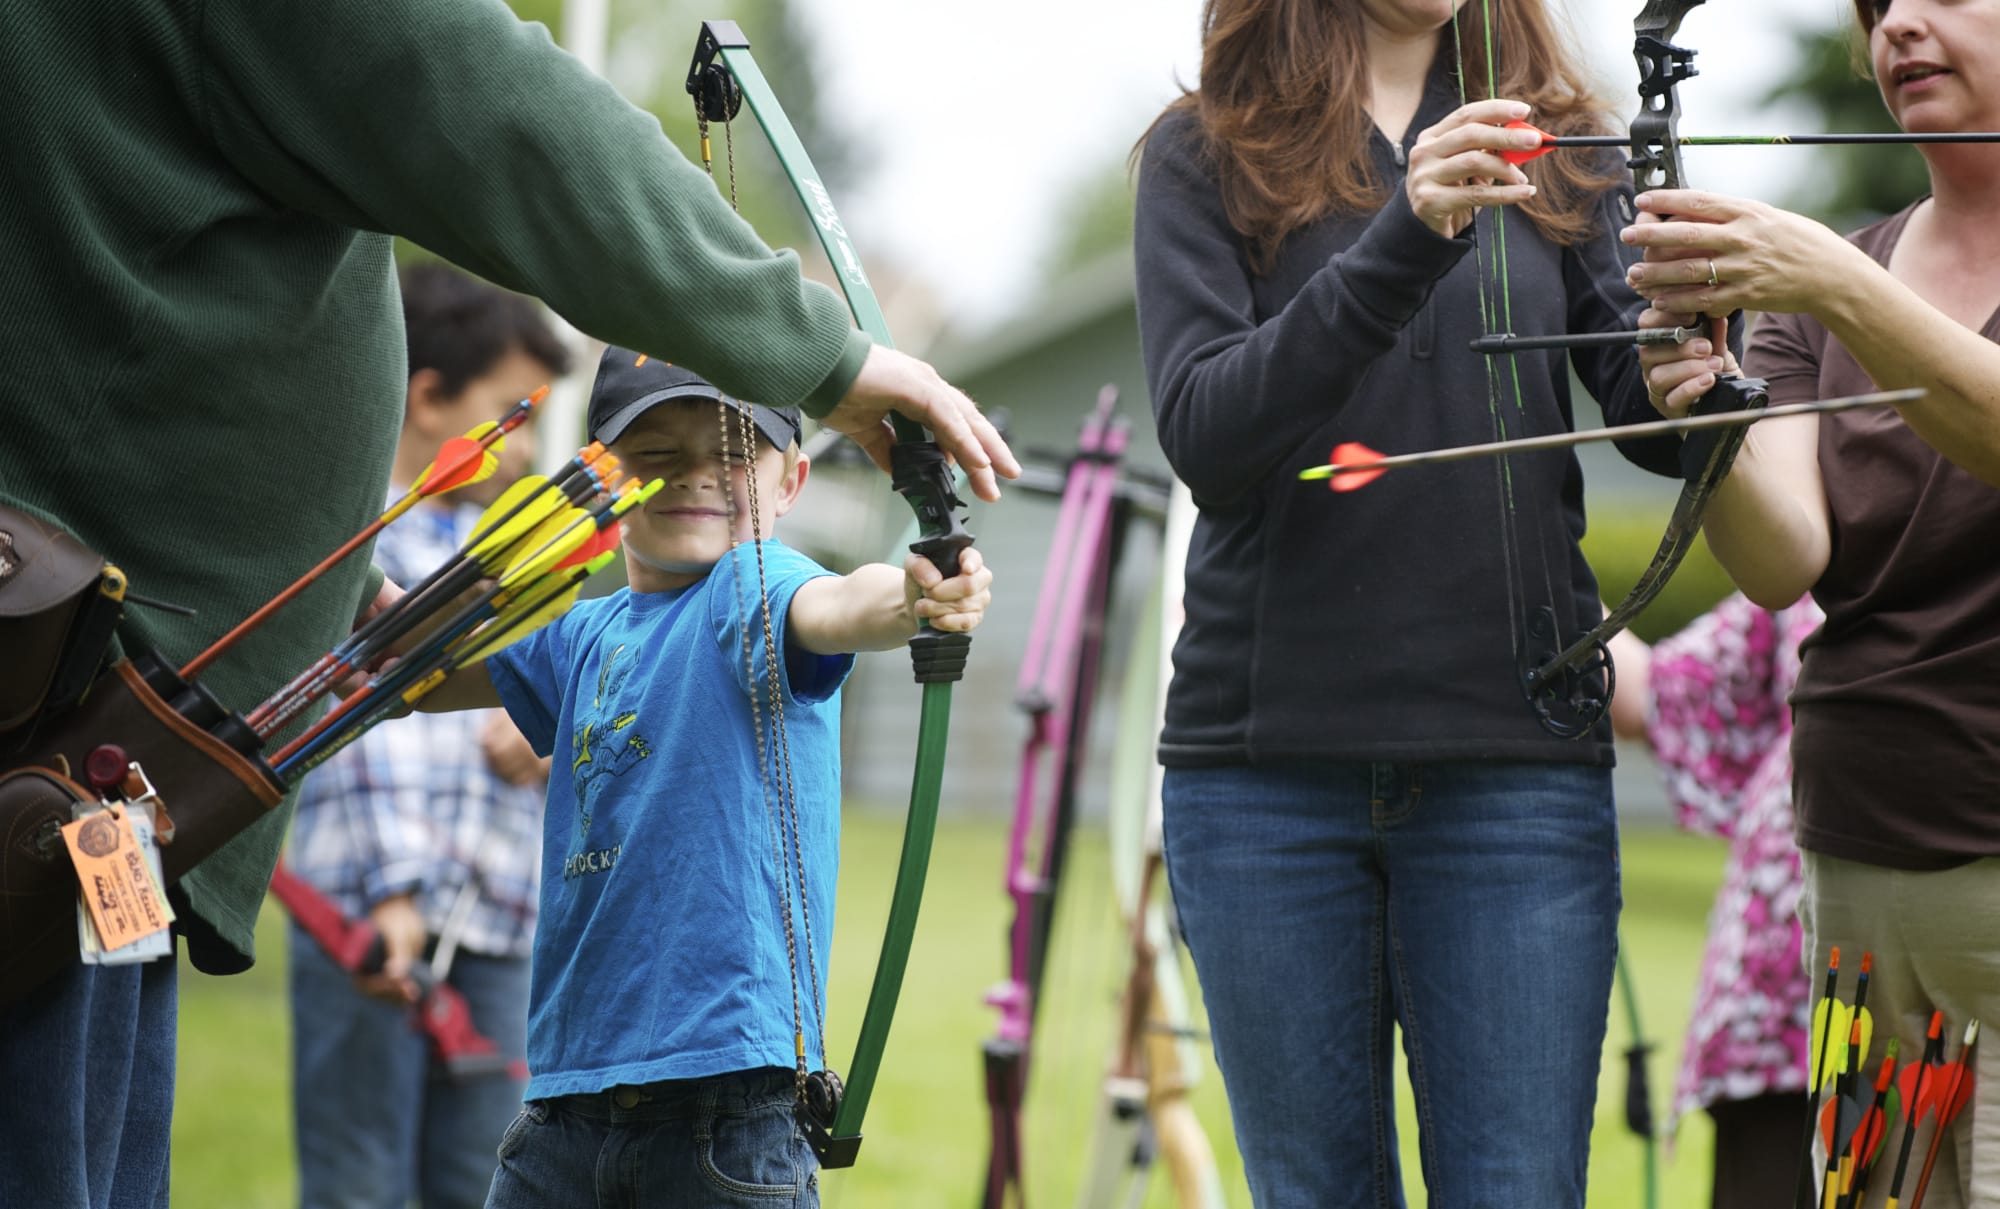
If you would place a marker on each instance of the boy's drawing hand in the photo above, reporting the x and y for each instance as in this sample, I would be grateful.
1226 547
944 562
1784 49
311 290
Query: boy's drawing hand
956 604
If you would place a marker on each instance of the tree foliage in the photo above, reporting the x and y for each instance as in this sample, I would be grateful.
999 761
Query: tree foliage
1845 187
1093 219
649 49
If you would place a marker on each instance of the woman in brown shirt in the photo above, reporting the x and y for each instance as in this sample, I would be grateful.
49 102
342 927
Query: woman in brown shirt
1891 519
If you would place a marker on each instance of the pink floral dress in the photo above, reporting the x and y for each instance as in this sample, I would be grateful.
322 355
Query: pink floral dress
1721 728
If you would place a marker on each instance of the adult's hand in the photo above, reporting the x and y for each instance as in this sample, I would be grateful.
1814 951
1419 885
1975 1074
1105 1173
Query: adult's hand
508 753
893 381
1456 168
1678 375
401 926
1712 254
388 594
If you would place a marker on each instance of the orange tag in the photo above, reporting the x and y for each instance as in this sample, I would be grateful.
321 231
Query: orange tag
117 886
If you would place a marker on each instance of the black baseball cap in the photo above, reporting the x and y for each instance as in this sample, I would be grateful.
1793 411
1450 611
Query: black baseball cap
629 384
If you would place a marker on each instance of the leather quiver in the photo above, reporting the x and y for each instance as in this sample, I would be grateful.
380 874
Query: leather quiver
210 790
47 578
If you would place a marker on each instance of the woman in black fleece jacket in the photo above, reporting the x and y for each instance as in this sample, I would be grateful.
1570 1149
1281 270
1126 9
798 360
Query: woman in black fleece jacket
1366 825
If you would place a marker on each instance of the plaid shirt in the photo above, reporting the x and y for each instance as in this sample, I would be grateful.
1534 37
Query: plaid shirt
412 805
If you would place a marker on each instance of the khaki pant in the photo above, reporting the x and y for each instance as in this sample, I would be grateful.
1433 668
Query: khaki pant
1936 941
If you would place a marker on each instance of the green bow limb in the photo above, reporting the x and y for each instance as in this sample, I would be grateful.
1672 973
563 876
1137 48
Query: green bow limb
722 77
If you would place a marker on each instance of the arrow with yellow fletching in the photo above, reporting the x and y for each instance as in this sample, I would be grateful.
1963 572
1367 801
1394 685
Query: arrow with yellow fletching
537 586
502 530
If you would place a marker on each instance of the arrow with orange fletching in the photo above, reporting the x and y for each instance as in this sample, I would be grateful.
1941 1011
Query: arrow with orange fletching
1354 465
1952 1100
1922 1085
1552 142
462 460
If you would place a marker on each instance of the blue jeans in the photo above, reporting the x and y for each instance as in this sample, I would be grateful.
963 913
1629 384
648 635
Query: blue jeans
718 1143
379 1123
87 1089
1476 905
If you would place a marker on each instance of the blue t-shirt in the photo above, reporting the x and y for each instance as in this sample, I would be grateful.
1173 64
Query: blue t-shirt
661 948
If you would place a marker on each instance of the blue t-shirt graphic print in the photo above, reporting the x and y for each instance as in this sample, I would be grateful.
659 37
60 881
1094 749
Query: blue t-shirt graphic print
661 948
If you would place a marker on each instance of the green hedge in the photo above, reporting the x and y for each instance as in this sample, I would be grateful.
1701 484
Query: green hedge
1619 545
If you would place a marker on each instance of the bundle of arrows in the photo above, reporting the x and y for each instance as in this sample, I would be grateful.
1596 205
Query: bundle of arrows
523 565
1855 1124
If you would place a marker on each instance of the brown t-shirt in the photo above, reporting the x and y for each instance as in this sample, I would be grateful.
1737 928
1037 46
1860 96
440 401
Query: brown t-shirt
1896 739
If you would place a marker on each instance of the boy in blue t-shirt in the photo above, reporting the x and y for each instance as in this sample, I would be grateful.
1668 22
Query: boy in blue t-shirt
692 826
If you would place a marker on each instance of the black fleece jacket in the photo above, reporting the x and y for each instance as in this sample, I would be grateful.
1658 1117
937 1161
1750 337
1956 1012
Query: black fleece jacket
1389 623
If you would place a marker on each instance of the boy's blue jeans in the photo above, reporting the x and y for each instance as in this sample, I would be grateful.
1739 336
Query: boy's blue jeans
722 1142
1474 904
87 1089
379 1124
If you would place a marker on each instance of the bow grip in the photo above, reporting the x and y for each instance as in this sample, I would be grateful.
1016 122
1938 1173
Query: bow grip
1701 448
920 473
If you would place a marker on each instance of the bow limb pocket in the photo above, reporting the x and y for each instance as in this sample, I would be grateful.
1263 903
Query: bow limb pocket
59 707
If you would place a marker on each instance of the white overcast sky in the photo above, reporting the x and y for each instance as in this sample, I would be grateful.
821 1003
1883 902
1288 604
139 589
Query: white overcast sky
980 116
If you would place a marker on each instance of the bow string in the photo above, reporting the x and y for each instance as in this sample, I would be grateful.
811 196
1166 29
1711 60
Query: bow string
1570 687
722 77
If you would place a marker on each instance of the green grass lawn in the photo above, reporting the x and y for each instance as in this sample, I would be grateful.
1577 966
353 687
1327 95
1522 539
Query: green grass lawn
926 1133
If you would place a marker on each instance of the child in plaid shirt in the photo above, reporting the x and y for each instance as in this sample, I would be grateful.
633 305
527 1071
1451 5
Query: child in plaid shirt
428 827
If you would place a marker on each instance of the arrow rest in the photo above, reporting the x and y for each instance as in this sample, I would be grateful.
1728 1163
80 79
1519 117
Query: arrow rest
1568 699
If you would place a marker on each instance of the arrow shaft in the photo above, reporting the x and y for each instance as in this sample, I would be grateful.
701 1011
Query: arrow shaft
285 704
1564 440
1873 138
1507 342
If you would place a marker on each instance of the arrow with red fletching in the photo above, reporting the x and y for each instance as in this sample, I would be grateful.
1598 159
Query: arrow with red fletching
1922 1085
1957 1090
462 460
1353 460
1551 142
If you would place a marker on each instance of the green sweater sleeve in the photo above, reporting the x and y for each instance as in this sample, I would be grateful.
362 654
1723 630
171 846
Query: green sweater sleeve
454 124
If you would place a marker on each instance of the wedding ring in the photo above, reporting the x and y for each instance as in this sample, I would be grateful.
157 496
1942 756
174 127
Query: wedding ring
1713 281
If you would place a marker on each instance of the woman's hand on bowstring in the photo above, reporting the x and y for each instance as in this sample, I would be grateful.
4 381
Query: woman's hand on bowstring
1455 166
